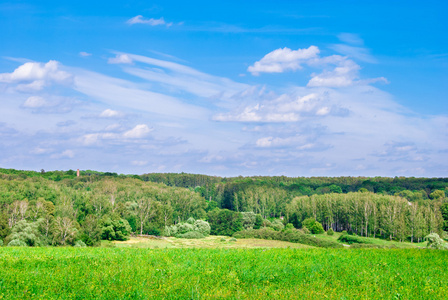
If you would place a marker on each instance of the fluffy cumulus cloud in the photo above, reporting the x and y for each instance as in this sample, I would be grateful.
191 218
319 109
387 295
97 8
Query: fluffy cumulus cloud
151 22
285 108
35 76
338 71
110 134
109 113
283 59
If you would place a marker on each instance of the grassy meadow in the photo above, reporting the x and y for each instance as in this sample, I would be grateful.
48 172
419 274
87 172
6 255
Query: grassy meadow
221 270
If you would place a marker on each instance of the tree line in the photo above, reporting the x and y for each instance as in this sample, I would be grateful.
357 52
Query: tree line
40 209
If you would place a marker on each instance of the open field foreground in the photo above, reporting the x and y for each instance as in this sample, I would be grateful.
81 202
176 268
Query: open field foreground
126 273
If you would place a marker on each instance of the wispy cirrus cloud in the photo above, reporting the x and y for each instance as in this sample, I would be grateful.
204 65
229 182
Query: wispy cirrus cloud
151 22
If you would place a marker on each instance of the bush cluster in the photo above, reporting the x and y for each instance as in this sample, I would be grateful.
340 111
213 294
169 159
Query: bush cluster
191 229
313 226
353 239
289 235
434 241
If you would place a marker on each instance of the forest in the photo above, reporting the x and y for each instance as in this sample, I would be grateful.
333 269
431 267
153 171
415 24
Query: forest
58 208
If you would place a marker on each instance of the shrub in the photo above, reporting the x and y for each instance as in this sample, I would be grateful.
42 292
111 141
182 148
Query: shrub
434 241
305 230
249 219
152 230
1 242
313 226
80 243
117 229
267 223
184 228
352 239
190 220
26 233
444 235
190 235
17 243
203 227
330 231
232 239
289 226
4 227
224 221
258 221
171 230
277 225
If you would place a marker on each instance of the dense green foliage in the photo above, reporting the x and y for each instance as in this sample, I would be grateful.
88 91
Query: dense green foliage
434 241
313 226
191 229
89 208
351 239
227 191
99 273
224 221
63 208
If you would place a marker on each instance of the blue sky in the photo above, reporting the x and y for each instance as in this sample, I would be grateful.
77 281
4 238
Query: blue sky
297 88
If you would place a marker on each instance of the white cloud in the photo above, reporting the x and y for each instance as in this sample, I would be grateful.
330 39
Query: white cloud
139 163
358 53
282 142
182 78
84 54
50 104
281 60
64 154
35 102
341 76
138 131
264 142
287 130
152 22
39 150
120 59
109 113
118 92
35 76
323 111
282 109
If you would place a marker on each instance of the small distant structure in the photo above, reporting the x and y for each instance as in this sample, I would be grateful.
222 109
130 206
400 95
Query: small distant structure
77 173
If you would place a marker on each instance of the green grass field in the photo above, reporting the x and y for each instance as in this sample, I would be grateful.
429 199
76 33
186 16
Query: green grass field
221 273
